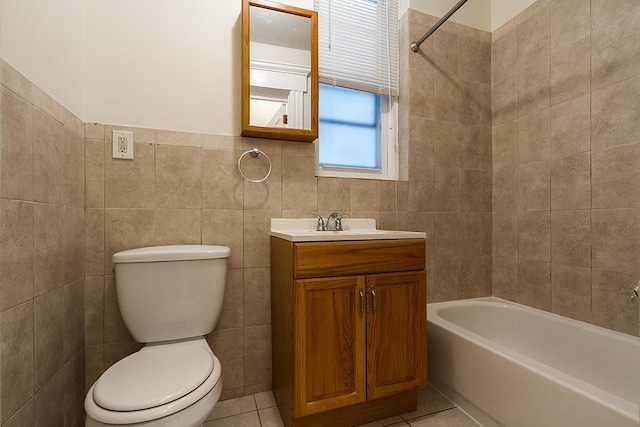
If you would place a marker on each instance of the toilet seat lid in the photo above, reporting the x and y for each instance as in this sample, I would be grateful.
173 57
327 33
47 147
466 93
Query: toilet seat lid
152 377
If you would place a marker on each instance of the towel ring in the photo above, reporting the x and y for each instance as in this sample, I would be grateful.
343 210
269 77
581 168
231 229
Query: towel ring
254 153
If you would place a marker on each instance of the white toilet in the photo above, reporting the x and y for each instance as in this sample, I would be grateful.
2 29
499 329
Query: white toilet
170 297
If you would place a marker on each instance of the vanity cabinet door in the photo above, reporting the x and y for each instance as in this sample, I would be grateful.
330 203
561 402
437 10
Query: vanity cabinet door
396 333
329 337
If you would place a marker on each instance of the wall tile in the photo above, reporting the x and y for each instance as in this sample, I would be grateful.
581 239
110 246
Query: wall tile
16 253
73 319
446 189
534 137
505 190
222 185
571 291
74 393
469 103
470 235
256 238
570 71
534 182
184 139
470 281
470 190
505 145
49 410
299 184
504 100
178 177
139 174
505 235
446 52
16 144
571 182
534 284
113 352
221 142
444 285
388 196
24 417
611 308
15 82
569 22
48 336
232 310
614 118
505 278
257 296
73 164
487 177
227 345
257 354
504 52
534 236
616 177
533 37
266 195
445 97
94 364
571 238
94 310
614 248
94 174
571 127
615 42
94 242
421 181
421 95
115 331
178 226
470 155
446 235
446 144
534 83
48 245
365 195
47 159
421 221
334 194
127 229
16 357
73 238
474 59
485 107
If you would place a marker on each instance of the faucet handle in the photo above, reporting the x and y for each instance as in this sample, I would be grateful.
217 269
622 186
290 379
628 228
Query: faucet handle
337 220
320 226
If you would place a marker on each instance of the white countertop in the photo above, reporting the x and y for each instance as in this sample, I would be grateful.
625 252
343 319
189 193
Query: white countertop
304 230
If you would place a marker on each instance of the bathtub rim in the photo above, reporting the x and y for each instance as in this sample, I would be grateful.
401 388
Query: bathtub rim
613 402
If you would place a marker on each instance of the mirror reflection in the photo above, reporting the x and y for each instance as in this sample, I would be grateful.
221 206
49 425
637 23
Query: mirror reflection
280 69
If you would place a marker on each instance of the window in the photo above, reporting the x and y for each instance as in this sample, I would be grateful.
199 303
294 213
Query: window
358 67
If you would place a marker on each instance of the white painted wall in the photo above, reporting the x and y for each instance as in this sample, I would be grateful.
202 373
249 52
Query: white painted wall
503 10
474 13
166 63
44 40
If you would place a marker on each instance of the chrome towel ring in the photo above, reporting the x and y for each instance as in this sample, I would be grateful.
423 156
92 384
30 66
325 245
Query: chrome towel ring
254 153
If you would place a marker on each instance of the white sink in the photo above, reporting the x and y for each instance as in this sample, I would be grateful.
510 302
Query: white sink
304 230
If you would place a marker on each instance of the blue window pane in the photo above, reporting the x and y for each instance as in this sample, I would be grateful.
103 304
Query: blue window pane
349 128
348 105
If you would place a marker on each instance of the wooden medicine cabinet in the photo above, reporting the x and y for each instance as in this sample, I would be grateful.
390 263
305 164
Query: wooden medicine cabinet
279 71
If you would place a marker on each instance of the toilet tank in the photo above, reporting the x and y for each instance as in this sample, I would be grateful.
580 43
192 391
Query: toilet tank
171 292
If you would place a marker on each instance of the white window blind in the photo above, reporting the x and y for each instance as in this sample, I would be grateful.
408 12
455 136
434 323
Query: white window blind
358 44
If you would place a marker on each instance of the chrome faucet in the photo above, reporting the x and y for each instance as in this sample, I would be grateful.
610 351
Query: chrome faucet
337 222
321 226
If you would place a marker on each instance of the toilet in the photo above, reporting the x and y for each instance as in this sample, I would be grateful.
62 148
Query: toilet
170 297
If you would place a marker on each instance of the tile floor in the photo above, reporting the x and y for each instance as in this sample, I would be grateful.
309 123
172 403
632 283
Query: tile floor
259 410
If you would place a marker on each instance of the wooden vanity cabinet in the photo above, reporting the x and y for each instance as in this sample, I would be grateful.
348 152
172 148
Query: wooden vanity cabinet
348 329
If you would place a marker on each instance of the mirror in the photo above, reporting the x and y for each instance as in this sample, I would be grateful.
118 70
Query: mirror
279 71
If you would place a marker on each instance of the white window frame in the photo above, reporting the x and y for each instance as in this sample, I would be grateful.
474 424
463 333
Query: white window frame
388 146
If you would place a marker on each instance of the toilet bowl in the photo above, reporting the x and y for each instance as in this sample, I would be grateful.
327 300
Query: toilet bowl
169 298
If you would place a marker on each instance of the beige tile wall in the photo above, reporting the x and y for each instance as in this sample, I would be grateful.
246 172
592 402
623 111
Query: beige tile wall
566 160
445 121
42 198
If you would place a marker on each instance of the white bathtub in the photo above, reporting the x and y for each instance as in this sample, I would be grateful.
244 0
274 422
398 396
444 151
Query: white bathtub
510 365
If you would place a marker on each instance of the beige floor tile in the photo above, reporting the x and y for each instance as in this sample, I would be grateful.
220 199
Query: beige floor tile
429 402
387 422
449 418
270 417
265 399
249 419
231 407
